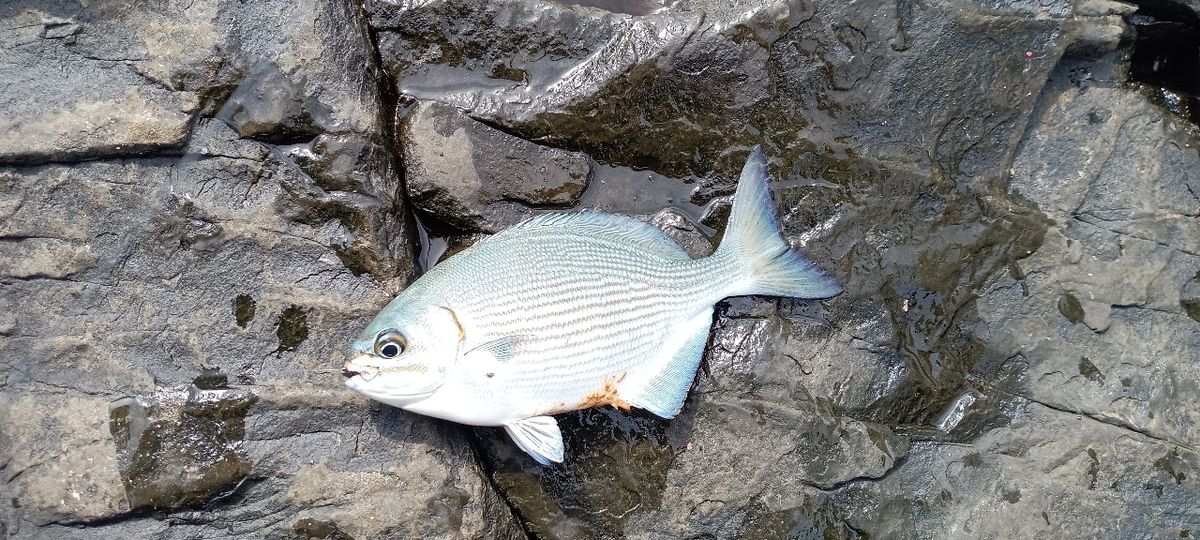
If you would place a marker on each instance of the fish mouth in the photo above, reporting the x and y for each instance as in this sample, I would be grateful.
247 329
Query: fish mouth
354 368
353 375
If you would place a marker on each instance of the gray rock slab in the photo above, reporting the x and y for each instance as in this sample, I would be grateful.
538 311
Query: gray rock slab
678 90
1093 350
78 83
476 178
154 302
1101 316
1049 474
200 209
921 151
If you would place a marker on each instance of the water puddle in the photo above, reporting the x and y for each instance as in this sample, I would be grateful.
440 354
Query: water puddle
632 192
619 190
1166 54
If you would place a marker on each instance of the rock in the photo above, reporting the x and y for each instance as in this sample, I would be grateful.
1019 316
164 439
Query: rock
685 232
795 453
191 243
183 447
799 79
200 207
1115 174
388 476
268 104
60 463
901 136
1090 326
1099 8
1189 297
128 123
1048 474
475 178
77 82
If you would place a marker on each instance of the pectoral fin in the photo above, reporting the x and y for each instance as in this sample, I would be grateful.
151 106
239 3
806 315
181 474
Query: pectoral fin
500 349
539 437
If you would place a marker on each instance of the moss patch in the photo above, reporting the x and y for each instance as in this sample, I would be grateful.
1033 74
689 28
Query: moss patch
292 329
243 309
1070 307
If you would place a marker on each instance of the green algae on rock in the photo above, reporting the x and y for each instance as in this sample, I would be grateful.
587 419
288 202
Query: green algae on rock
182 446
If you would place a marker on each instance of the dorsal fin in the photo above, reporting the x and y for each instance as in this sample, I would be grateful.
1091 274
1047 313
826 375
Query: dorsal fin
604 225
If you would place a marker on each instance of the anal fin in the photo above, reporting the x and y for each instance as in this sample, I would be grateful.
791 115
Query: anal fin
539 437
665 391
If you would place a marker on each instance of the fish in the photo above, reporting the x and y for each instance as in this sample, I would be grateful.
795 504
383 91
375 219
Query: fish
568 311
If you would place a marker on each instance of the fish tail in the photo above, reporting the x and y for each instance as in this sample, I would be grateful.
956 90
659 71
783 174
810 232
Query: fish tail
753 244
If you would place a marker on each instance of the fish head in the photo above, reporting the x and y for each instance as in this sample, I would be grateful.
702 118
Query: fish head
400 359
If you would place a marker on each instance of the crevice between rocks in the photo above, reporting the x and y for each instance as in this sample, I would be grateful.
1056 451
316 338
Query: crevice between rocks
389 103
1114 422
478 453
1164 55
128 515
837 486
1099 222
389 99
131 152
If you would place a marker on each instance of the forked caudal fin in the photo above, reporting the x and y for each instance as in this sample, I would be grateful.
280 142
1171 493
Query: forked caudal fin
753 238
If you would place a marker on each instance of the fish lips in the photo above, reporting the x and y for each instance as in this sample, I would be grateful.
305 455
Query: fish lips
355 369
359 376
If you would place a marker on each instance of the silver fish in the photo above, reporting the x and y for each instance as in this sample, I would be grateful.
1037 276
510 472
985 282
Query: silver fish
571 311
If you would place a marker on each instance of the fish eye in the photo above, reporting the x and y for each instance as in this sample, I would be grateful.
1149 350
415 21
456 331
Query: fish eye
390 344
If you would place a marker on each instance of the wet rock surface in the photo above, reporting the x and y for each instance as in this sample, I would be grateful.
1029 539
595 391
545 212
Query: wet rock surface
475 178
203 204
679 90
201 207
901 134
182 445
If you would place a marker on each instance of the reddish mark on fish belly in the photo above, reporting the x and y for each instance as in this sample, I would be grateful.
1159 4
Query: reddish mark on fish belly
608 395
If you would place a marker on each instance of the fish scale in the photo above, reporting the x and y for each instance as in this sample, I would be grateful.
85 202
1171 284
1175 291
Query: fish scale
568 311
557 307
